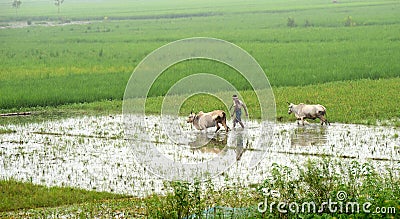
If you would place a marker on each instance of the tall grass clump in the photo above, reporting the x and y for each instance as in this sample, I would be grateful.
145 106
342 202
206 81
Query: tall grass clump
348 188
200 200
303 191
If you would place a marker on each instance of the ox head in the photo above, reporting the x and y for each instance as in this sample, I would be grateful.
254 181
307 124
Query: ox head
191 117
291 105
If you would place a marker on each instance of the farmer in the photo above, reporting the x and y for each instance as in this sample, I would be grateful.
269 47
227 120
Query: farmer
237 110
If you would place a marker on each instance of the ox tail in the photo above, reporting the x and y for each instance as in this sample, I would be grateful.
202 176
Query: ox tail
223 115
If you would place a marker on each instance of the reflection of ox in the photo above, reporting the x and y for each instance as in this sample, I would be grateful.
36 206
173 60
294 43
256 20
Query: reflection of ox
202 120
304 111
308 137
204 143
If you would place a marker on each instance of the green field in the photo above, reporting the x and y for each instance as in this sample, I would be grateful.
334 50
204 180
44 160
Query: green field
34 196
78 61
52 66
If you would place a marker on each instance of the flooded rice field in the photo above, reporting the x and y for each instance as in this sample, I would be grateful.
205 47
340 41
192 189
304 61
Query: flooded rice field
99 153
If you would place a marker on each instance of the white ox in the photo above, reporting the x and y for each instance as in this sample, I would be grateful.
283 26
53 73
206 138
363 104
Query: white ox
202 120
304 111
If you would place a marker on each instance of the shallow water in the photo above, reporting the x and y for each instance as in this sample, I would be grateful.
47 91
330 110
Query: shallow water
99 153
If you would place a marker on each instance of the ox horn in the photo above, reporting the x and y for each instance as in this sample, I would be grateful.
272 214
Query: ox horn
288 103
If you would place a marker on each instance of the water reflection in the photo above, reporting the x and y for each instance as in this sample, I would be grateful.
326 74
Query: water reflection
238 143
219 142
209 142
313 135
92 153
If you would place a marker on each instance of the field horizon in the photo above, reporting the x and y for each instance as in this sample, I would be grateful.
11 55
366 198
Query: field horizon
54 62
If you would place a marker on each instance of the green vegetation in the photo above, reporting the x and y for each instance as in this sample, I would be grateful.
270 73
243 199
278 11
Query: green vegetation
319 181
361 101
17 195
6 131
77 61
322 180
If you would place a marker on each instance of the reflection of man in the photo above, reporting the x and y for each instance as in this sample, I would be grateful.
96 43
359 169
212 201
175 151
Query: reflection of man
239 146
237 112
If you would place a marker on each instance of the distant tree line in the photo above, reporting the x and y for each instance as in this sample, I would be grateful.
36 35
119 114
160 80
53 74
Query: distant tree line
58 4
17 4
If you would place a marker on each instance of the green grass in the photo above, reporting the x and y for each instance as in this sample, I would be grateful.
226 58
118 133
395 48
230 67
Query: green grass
318 181
39 113
61 90
361 101
6 131
18 195
44 66
75 9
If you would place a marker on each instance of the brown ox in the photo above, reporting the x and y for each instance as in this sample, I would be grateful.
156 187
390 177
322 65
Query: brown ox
202 120
304 111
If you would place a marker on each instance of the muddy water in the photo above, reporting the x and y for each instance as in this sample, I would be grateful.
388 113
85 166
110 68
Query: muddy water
42 23
94 152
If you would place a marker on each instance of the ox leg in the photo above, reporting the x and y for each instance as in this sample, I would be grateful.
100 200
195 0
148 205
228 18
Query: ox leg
302 121
323 120
218 127
326 121
225 126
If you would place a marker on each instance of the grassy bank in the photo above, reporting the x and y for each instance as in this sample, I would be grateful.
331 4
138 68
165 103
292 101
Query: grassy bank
362 102
18 195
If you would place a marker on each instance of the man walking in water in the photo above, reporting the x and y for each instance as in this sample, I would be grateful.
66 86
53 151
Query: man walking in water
237 113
